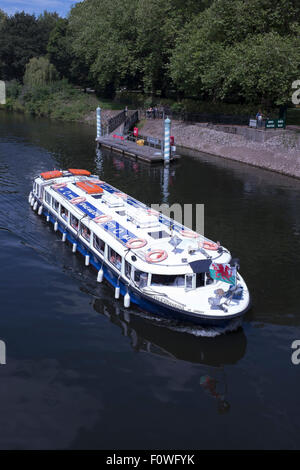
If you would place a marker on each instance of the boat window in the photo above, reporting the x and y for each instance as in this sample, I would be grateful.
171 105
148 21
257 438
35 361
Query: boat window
99 244
64 213
200 279
141 278
36 188
48 198
208 279
55 204
74 222
168 280
190 281
127 269
114 258
85 232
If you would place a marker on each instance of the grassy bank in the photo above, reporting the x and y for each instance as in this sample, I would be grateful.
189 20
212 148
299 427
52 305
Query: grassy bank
58 100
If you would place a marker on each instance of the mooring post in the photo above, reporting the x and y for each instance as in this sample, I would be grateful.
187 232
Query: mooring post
167 140
98 122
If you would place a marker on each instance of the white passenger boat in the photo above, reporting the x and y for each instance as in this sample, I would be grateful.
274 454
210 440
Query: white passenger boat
151 260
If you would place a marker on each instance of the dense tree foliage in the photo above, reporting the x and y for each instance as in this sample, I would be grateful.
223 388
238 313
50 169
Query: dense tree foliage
103 37
239 52
23 36
218 50
59 48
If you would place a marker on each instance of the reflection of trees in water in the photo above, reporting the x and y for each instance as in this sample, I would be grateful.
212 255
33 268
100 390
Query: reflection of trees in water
172 341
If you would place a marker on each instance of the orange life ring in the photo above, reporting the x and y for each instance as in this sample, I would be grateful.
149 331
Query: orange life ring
77 200
156 256
59 185
136 243
189 234
101 219
211 246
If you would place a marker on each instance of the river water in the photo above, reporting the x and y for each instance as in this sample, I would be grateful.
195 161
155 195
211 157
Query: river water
83 373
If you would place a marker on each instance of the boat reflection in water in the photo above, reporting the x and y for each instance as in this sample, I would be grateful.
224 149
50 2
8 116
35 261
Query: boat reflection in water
183 343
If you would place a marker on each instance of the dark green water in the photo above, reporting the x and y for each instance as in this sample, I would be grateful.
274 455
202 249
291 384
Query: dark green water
83 373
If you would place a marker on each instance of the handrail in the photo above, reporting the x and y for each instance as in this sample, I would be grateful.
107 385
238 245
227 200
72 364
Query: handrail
116 121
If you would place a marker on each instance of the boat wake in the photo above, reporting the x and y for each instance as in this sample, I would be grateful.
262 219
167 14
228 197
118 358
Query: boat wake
195 330
208 331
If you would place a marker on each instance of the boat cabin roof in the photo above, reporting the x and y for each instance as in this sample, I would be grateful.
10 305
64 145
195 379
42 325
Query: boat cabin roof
129 219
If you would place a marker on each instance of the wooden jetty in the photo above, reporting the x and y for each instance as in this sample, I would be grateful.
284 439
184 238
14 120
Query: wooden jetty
131 149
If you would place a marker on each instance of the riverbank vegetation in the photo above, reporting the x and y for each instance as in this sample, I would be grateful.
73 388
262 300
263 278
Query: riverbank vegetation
199 55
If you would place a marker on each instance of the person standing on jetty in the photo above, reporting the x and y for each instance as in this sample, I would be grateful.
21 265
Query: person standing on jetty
259 118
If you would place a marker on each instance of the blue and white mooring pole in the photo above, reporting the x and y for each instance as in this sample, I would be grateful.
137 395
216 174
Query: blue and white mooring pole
98 122
167 140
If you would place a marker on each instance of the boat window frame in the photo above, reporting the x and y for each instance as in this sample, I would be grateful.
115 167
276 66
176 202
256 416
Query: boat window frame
47 193
175 276
137 283
95 248
193 275
70 221
54 200
126 262
80 231
37 189
109 248
67 220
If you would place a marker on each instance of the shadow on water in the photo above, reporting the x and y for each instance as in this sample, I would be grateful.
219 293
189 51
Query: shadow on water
185 343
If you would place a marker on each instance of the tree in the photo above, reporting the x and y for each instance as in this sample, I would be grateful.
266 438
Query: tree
22 37
129 42
46 22
39 71
239 51
103 36
58 48
62 55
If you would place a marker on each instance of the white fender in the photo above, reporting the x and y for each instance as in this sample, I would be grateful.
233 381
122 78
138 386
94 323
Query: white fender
32 201
64 236
29 197
117 292
55 226
126 300
87 260
100 275
35 206
74 247
40 211
48 218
